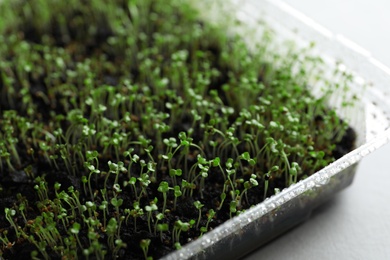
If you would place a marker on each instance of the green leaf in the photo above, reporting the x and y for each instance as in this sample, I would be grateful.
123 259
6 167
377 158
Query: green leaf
246 156
116 202
216 161
163 187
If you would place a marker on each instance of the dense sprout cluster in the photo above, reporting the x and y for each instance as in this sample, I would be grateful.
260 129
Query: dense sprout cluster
125 123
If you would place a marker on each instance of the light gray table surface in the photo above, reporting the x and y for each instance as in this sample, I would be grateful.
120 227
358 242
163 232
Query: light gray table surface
355 224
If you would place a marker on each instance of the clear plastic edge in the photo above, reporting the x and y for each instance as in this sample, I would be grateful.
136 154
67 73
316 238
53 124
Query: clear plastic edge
335 48
322 177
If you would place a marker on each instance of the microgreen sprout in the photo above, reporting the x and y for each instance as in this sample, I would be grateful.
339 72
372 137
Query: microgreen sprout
233 207
75 230
199 206
210 216
163 188
177 193
178 228
111 231
144 244
149 209
162 228
9 214
117 203
247 185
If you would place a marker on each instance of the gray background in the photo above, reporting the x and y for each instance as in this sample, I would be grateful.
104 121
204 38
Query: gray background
355 224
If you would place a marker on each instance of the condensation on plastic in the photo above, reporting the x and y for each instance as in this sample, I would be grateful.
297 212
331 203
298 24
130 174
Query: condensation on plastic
370 118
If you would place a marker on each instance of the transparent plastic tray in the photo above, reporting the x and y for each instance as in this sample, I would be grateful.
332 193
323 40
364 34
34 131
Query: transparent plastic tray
370 118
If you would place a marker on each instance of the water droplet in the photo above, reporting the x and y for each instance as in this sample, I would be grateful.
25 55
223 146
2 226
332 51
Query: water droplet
310 184
280 201
263 210
322 180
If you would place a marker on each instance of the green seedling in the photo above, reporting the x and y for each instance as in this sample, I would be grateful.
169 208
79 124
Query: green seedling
210 216
144 244
164 188
149 210
199 207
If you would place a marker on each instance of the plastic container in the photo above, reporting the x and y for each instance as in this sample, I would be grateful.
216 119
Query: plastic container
370 118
